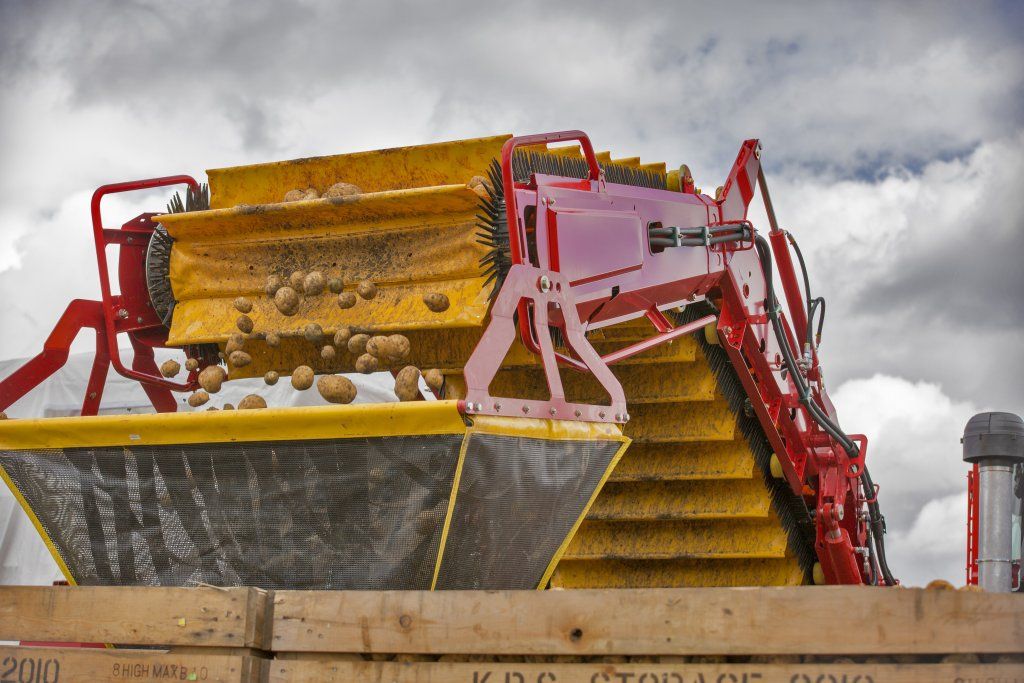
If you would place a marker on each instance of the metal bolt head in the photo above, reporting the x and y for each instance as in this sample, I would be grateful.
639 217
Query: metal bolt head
544 283
577 413
526 409
122 313
625 418
601 415
139 320
497 407
552 411
840 512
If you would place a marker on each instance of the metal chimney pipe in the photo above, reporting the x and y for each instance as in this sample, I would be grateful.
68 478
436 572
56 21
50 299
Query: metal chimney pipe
996 442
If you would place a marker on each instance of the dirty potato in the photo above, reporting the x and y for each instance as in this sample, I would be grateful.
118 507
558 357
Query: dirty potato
3 416
313 333
252 402
271 377
243 304
407 383
296 279
314 283
239 359
287 300
379 346
357 344
244 323
227 406
300 195
336 388
170 368
273 339
342 336
400 347
342 190
335 285
235 343
274 283
192 364
436 302
328 353
346 300
211 378
199 398
434 379
302 377
366 289
480 185
367 364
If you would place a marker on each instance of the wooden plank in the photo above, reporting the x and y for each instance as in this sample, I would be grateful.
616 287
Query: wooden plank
74 665
210 617
728 621
306 671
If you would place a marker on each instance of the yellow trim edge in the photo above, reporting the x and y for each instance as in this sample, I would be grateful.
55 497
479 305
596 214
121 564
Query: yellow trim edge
226 426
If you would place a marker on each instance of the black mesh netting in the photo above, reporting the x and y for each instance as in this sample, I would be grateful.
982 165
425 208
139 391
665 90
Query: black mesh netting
363 513
518 499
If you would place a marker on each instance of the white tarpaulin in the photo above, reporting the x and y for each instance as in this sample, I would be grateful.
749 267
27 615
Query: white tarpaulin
24 559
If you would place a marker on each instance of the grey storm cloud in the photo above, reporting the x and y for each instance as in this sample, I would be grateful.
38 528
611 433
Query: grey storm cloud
893 134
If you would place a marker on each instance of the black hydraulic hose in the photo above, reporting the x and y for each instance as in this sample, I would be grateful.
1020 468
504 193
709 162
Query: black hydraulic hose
812 303
876 520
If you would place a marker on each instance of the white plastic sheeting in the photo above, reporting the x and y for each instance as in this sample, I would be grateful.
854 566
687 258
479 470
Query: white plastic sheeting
24 559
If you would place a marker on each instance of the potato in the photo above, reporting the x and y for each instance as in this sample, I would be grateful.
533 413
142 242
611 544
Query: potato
346 300
273 339
940 584
342 190
342 336
328 353
170 368
235 343
244 323
366 289
336 388
314 283
227 406
212 408
299 195
357 344
3 416
313 333
400 347
274 283
287 300
296 280
434 379
199 398
271 377
239 359
243 305
302 377
480 185
252 402
379 346
335 285
436 302
367 364
407 383
211 378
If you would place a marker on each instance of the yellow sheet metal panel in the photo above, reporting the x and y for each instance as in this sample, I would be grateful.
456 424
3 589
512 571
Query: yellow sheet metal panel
657 422
666 540
677 573
669 461
659 500
443 163
221 426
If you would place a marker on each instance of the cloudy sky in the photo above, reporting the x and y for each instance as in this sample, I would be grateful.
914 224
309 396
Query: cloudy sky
894 143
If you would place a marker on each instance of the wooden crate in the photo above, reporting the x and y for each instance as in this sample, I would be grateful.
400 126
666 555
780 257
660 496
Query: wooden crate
186 634
841 634
800 634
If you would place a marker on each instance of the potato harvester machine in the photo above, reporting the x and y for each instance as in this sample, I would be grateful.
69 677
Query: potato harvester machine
626 400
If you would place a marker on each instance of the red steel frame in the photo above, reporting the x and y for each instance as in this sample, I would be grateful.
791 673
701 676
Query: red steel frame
973 514
128 312
593 267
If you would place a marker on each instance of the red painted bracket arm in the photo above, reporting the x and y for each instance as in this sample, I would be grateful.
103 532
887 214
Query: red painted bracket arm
542 289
